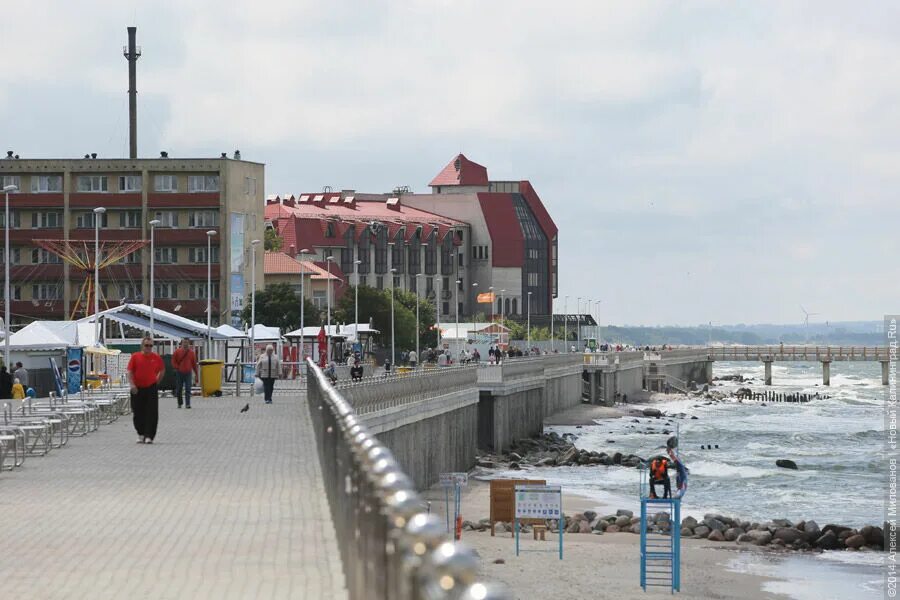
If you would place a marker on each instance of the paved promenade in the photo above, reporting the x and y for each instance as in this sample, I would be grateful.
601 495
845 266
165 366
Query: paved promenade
223 505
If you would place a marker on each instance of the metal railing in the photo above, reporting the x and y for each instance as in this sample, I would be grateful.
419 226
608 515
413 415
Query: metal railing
379 392
390 547
799 353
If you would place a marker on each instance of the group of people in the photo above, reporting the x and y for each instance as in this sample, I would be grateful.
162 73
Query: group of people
14 386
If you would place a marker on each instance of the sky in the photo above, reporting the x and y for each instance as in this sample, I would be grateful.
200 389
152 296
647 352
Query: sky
721 162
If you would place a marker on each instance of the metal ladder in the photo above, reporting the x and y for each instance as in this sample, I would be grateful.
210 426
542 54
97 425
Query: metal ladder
661 552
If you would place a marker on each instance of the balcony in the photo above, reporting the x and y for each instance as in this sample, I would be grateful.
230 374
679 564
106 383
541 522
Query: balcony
95 199
82 234
21 200
176 272
183 200
28 273
185 237
27 235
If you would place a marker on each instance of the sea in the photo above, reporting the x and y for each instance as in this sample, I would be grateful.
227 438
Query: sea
731 447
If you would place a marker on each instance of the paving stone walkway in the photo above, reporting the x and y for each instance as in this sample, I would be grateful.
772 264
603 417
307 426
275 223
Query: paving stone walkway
223 505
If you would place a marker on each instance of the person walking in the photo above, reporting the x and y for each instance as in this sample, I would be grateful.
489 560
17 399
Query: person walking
22 374
185 363
413 359
268 368
145 371
6 384
18 390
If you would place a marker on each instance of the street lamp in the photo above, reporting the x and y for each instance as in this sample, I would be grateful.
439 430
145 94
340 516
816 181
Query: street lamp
552 339
437 311
599 338
209 237
490 314
97 212
418 289
253 246
502 315
303 252
456 301
566 326
7 189
328 262
578 323
528 330
475 313
356 304
393 346
153 224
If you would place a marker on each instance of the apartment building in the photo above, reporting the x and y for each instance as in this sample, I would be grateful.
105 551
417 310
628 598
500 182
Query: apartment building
469 236
55 200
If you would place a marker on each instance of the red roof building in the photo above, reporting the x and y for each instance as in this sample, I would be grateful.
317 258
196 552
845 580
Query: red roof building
469 230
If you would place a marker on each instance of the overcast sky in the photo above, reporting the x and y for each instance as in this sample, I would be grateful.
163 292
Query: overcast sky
704 161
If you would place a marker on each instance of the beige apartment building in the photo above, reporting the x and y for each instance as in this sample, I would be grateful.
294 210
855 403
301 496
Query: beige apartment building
56 199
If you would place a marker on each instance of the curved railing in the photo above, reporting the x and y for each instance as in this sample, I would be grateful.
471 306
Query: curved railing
391 548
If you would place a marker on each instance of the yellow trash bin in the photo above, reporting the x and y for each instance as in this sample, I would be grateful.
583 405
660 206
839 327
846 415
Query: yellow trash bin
211 377
404 370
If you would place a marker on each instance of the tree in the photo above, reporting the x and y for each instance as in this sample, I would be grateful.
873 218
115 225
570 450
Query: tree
427 332
273 242
278 306
375 306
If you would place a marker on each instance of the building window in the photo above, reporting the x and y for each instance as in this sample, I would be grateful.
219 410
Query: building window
430 259
475 250
15 253
250 186
515 306
165 183
429 285
46 291
397 258
199 256
533 280
203 218
347 260
15 219
203 183
15 292
7 180
40 256
85 220
166 218
165 255
46 183
379 282
165 291
445 308
485 252
93 183
319 299
130 219
414 284
130 183
197 291
129 291
396 281
46 220
130 259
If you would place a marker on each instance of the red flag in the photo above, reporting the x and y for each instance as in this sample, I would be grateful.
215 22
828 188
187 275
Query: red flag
322 340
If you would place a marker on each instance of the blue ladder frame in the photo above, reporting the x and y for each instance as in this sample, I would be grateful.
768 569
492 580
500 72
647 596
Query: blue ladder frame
661 552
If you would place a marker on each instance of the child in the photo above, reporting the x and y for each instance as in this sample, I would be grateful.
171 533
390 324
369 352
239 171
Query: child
18 390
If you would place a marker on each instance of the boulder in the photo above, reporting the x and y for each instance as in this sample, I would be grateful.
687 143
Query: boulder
661 516
702 530
546 462
617 458
601 525
785 463
635 520
788 535
574 527
732 533
837 529
636 528
716 536
590 515
689 522
484 463
782 523
623 521
624 512
631 461
500 528
567 456
828 541
714 524
760 537
744 537
842 536
612 529
514 466
584 527
874 536
609 518
855 541
686 532
579 517
652 412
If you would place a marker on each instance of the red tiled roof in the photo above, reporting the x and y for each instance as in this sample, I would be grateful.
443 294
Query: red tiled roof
506 233
461 171
279 263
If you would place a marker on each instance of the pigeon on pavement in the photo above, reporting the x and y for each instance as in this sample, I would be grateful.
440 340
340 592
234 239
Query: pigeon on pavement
246 408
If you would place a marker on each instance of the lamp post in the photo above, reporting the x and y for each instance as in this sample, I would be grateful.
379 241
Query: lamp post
356 264
502 314
153 225
475 313
566 326
97 215
599 338
253 246
528 329
209 237
7 189
552 339
456 301
578 323
393 345
418 289
328 262
490 314
303 252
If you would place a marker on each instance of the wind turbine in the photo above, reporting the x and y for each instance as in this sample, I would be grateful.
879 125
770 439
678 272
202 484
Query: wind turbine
807 315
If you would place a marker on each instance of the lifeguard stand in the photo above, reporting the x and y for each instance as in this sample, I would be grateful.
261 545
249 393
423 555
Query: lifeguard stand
660 552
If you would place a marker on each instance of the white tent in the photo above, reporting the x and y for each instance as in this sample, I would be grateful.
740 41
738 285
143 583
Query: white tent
53 335
263 333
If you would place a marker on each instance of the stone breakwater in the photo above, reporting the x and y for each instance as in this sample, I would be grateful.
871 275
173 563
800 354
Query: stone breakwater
778 535
554 450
